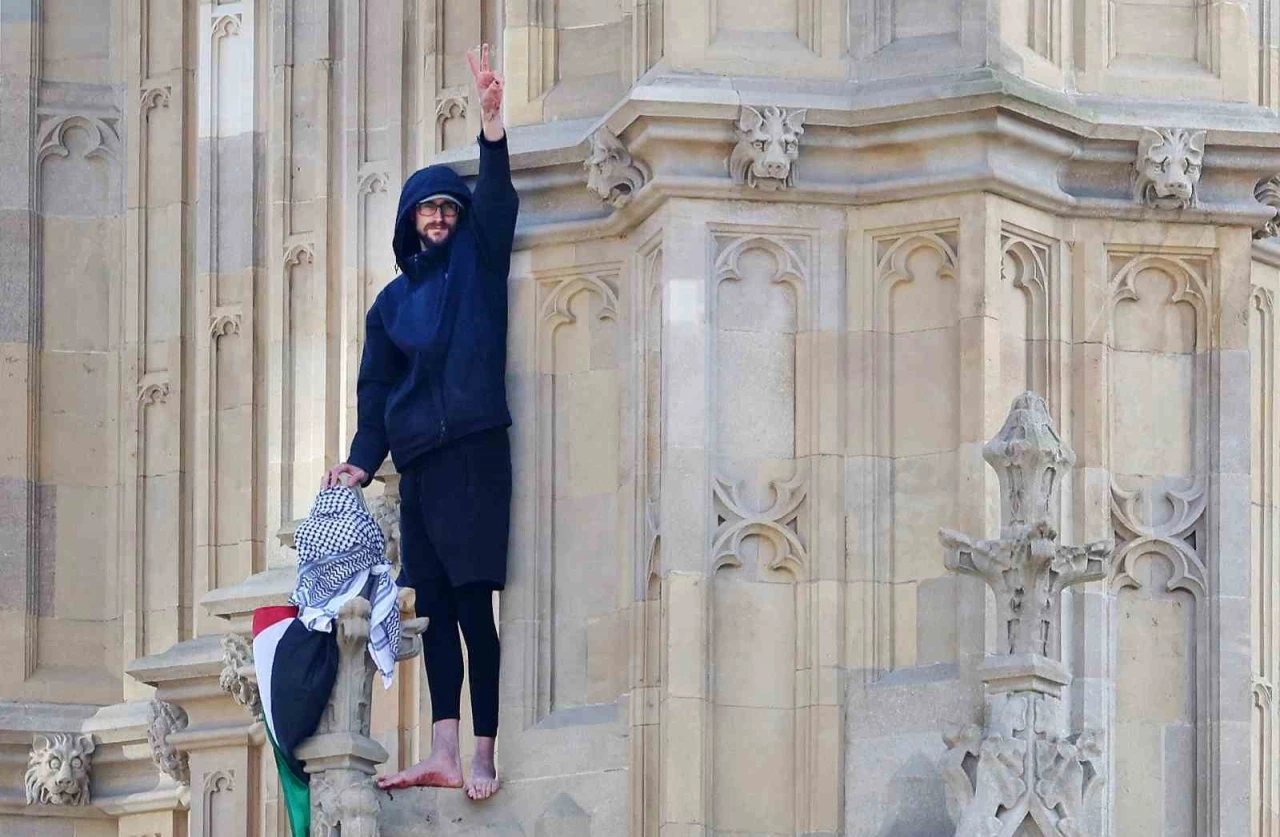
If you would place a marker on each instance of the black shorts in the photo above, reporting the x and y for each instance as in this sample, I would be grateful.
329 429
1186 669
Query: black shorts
455 513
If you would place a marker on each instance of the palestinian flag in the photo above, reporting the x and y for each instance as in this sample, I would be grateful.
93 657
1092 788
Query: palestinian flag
296 670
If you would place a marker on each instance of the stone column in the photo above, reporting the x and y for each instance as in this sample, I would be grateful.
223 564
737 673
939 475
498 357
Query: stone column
157 289
1023 764
19 171
682 512
373 154
1229 514
227 534
62 211
304 253
341 757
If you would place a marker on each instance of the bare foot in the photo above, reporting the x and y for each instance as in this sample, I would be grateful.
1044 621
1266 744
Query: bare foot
439 770
484 778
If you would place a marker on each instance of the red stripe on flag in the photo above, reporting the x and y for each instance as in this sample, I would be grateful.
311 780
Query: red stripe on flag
265 617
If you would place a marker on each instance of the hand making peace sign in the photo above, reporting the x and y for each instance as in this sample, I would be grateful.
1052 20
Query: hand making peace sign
488 84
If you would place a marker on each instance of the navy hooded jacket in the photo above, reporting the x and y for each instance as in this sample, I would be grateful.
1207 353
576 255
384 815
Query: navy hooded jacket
435 340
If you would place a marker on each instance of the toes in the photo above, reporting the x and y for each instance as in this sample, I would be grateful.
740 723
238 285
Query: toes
482 789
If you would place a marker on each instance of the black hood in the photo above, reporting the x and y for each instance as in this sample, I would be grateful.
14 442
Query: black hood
433 180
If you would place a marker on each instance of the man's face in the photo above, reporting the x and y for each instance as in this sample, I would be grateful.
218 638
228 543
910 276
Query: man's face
436 220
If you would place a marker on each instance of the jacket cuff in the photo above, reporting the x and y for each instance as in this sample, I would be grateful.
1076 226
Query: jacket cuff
495 144
364 460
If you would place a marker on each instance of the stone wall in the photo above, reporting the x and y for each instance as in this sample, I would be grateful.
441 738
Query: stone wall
781 270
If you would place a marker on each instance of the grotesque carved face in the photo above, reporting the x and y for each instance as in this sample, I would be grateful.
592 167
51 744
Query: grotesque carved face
768 144
58 770
1168 167
612 173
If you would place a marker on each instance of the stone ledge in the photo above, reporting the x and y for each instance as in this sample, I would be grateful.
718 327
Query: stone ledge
237 602
1024 672
195 659
27 718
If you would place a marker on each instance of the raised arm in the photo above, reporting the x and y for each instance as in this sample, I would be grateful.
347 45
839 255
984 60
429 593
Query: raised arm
381 367
495 203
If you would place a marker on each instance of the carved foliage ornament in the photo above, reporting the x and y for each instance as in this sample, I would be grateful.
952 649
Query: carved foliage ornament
1167 170
1268 194
167 718
768 145
612 173
1026 568
58 770
1021 769
237 661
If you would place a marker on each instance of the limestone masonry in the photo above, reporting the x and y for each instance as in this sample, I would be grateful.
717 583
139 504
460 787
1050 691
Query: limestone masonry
798 285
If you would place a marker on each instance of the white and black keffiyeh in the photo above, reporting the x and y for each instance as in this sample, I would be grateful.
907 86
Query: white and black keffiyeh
341 555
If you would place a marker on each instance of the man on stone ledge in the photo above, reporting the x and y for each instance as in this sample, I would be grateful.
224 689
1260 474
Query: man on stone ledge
432 391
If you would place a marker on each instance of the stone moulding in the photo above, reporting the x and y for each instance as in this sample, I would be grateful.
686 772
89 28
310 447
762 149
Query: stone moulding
1023 763
1030 152
612 173
1167 171
1035 149
58 769
767 148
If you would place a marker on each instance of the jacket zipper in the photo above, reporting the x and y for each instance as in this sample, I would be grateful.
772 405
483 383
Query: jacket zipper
437 390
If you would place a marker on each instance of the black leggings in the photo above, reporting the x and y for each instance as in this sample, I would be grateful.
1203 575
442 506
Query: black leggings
448 608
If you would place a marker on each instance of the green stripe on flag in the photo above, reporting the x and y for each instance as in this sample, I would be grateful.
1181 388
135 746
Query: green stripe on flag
296 793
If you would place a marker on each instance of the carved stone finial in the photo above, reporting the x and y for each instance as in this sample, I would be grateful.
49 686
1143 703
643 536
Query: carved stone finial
341 757
1268 194
237 661
768 145
58 769
167 718
1167 170
385 509
1030 461
1025 567
1023 765
612 173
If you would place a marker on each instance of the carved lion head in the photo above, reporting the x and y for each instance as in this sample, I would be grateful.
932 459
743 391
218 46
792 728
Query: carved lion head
1168 167
612 173
58 770
768 144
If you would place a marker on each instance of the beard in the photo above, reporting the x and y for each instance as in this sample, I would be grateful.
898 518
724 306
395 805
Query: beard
429 244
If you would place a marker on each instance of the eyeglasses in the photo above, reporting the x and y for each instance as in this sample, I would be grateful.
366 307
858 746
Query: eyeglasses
445 208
